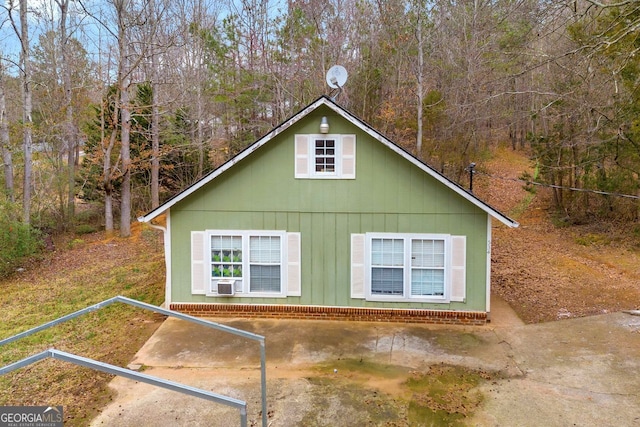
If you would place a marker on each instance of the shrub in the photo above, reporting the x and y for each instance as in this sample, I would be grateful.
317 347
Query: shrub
85 229
17 240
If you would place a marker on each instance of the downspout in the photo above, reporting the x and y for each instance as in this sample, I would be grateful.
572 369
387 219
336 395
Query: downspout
167 259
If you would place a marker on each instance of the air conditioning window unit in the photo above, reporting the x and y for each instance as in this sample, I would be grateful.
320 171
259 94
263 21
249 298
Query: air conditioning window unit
225 287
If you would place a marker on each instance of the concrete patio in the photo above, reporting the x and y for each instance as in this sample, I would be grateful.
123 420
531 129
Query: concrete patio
570 372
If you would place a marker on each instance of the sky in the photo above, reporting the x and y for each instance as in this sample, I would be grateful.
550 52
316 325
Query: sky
43 16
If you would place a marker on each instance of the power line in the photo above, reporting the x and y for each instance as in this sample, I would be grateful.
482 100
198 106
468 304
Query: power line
560 187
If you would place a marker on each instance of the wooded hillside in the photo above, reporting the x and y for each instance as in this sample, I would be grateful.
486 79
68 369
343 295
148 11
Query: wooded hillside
125 102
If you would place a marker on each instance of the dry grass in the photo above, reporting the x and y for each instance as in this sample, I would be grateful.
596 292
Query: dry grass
78 274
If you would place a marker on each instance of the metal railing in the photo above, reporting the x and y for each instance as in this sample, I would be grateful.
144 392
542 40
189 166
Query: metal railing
115 370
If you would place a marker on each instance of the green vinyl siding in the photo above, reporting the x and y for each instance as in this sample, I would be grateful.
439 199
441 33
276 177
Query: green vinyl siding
389 194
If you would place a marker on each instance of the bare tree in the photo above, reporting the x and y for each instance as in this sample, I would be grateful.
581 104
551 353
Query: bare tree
27 121
155 107
7 158
195 72
123 81
109 117
70 127
126 15
420 77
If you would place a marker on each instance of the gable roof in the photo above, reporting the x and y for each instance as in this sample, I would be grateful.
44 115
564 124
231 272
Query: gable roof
324 100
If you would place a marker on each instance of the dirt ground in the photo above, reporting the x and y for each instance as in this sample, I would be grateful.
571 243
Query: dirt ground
546 272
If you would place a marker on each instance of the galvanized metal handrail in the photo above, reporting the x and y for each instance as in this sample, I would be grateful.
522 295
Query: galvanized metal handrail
133 375
136 375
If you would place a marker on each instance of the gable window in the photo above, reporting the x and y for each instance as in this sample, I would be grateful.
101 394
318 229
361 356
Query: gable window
408 267
325 156
245 263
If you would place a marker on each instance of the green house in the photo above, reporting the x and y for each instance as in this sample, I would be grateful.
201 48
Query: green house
324 217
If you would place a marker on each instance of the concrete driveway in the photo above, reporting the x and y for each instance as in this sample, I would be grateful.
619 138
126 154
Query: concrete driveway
574 372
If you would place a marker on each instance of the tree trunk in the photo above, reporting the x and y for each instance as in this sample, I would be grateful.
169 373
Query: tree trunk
70 129
108 211
26 112
155 146
155 114
122 7
420 81
106 175
125 192
106 165
7 158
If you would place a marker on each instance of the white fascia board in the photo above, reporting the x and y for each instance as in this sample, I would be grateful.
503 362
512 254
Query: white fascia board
441 178
239 157
356 122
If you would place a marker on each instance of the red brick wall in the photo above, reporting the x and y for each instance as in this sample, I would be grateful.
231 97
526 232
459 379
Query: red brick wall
333 313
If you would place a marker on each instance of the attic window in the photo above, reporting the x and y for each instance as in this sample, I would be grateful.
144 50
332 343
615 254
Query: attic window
325 156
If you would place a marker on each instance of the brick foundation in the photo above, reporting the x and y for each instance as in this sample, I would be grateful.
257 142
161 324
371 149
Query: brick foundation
333 313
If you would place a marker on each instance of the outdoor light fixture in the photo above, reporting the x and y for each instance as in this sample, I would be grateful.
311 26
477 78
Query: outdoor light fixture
324 125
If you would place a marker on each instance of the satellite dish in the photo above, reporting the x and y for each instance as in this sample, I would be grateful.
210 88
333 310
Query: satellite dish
337 76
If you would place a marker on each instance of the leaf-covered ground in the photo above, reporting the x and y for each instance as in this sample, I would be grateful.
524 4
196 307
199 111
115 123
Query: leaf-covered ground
546 272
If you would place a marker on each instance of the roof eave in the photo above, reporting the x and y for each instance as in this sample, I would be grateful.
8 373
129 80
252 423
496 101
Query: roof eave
323 100
425 168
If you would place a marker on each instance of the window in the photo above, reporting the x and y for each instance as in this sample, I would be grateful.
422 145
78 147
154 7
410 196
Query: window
226 257
427 267
245 263
399 261
408 267
265 261
325 156
387 261
258 272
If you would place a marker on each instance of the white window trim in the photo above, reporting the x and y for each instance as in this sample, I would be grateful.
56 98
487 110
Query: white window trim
244 289
305 153
337 155
337 171
407 297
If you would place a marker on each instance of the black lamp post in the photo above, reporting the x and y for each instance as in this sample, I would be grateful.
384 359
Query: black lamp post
470 168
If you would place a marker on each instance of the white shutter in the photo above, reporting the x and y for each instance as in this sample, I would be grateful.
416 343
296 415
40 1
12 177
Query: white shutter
348 157
293 265
357 265
458 268
199 274
302 156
